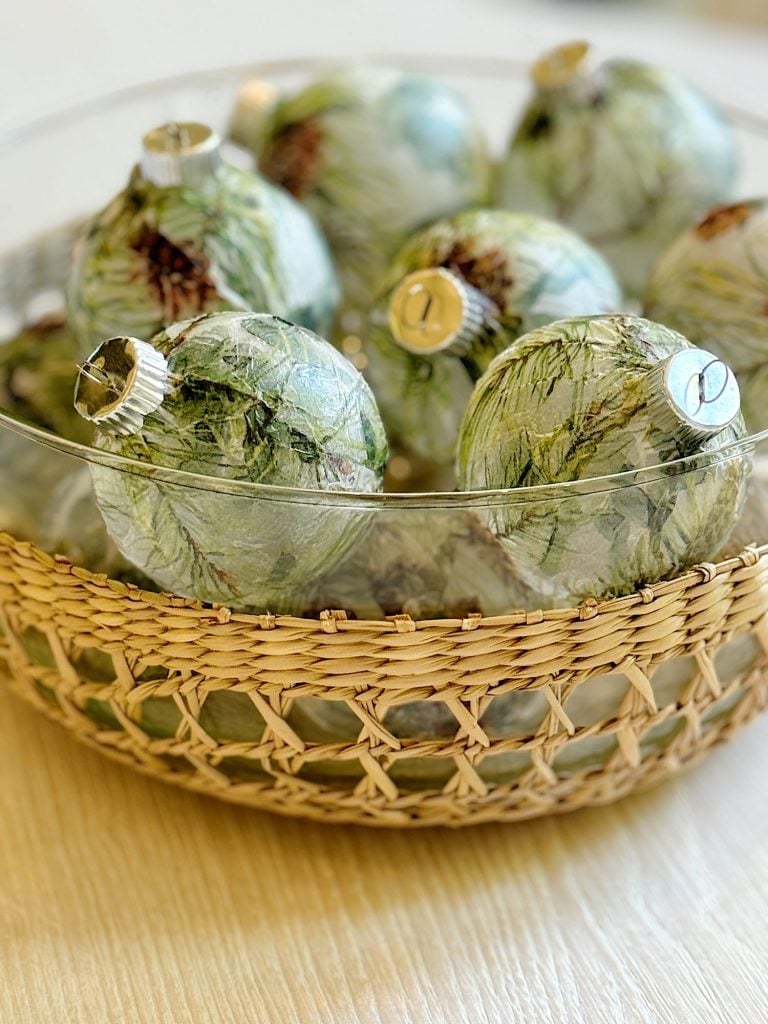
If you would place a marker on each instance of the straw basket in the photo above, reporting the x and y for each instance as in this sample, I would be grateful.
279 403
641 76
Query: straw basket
174 652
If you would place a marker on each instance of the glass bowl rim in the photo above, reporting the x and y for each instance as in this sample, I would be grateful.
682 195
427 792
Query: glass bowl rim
471 66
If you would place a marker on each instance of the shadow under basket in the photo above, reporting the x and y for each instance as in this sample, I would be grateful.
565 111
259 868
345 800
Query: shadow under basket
508 717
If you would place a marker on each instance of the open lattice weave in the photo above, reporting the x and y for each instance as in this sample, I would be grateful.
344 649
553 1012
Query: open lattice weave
139 676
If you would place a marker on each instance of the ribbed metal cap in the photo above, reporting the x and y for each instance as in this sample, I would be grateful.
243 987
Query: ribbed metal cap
693 395
564 65
254 102
434 310
180 153
120 384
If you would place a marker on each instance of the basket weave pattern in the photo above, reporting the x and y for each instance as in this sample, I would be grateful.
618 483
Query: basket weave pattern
371 666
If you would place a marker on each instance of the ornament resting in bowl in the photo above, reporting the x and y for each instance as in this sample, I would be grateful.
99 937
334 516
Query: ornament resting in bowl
712 285
191 234
427 563
593 397
625 153
37 371
373 153
458 293
239 397
73 526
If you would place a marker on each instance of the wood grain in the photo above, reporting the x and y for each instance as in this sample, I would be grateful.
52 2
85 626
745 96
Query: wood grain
127 901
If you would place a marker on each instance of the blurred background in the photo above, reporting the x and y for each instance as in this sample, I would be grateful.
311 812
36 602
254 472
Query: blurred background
56 54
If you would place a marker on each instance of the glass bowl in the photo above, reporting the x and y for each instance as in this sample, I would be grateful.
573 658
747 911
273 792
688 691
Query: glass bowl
426 554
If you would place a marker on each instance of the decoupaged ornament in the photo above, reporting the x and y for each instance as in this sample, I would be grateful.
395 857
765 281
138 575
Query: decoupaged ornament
36 381
625 153
46 495
712 285
72 526
241 397
427 563
458 293
37 377
373 153
588 398
192 234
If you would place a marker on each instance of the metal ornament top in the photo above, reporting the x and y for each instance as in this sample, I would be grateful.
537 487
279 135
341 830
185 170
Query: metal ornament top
434 310
694 395
562 65
120 384
180 153
255 100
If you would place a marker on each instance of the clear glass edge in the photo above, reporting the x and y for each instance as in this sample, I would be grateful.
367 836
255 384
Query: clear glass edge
436 63
358 500
487 66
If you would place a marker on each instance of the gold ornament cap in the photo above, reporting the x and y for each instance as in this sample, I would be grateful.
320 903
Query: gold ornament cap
120 384
693 395
255 101
180 153
434 310
562 66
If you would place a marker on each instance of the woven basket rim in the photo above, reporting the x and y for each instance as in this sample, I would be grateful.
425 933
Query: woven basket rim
338 620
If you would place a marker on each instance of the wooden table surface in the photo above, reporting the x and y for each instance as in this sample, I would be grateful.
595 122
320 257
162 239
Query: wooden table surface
124 900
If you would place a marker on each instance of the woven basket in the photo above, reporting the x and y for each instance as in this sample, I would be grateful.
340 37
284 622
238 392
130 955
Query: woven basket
98 655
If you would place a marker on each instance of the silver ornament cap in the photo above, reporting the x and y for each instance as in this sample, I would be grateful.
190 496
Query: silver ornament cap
255 101
563 66
120 384
434 310
693 394
180 153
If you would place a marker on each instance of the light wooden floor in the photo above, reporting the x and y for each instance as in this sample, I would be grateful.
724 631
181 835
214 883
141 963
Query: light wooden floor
752 11
123 900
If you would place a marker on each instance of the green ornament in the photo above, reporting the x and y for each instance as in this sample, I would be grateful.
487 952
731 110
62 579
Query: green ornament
37 372
37 375
73 526
429 564
190 235
625 153
373 153
592 397
712 285
458 293
241 397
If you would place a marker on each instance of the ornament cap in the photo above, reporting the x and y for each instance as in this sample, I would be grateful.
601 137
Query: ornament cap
565 64
434 310
120 384
256 99
180 153
694 395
